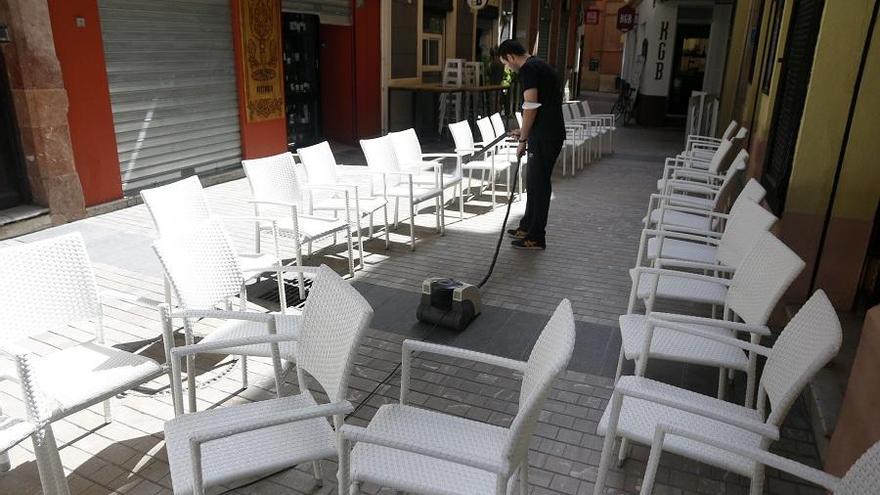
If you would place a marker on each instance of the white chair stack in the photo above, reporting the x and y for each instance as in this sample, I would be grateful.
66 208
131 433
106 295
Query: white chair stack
451 104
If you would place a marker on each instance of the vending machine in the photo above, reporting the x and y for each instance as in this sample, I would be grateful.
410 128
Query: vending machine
302 99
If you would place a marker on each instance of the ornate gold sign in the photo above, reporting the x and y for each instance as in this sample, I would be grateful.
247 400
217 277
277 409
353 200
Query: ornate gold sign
261 53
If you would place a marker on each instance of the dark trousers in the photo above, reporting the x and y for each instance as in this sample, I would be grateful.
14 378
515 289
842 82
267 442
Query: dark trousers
539 169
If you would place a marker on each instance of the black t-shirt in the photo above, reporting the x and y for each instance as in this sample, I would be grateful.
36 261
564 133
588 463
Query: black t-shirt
537 74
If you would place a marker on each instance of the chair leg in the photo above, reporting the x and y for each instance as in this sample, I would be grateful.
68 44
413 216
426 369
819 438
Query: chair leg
244 371
360 240
108 414
49 466
355 488
350 250
437 209
396 212
316 470
623 452
460 200
620 360
722 382
608 444
385 219
756 486
412 225
524 478
492 178
442 214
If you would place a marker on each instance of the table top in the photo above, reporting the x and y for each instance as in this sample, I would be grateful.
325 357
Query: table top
439 88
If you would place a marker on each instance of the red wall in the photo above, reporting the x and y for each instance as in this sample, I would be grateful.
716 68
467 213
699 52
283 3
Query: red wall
258 139
367 68
337 83
80 51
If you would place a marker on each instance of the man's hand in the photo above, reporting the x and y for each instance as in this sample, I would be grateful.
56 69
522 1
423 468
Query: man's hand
521 150
514 133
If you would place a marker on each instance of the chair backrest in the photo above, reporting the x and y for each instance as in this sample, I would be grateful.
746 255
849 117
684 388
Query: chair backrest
727 152
806 344
201 265
863 477
334 320
498 124
406 146
728 132
275 178
46 285
319 163
763 275
585 108
178 206
548 359
748 221
462 136
731 181
453 72
487 132
380 156
753 190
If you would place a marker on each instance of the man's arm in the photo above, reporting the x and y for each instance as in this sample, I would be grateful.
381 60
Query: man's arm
529 114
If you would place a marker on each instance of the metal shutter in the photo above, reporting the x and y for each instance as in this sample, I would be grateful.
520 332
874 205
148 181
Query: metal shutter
543 31
793 83
336 12
171 71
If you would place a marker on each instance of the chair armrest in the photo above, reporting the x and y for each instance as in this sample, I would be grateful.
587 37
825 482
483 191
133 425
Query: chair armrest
762 330
724 339
439 155
306 413
789 466
694 265
683 236
13 350
269 338
416 345
389 439
639 270
272 203
630 388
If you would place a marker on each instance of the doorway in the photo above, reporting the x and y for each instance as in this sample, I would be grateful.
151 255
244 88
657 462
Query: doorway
13 178
689 67
301 78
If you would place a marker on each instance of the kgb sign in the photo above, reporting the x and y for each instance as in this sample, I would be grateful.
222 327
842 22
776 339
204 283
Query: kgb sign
626 18
477 4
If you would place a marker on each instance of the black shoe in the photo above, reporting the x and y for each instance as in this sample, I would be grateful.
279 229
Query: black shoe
528 244
517 233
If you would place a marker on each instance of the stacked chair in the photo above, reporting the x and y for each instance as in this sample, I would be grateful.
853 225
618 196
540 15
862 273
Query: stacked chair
466 148
707 243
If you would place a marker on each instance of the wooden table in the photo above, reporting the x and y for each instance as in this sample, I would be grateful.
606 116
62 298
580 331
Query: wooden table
436 88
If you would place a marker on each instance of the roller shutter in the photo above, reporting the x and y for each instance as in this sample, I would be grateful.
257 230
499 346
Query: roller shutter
171 71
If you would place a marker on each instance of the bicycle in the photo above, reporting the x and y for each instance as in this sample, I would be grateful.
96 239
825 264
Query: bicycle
624 108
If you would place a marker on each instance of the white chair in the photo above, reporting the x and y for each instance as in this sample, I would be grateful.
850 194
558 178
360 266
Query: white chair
414 185
690 218
764 274
222 445
638 405
451 103
862 478
703 172
322 170
419 451
204 272
466 147
409 154
578 138
511 147
47 286
181 206
747 221
705 146
707 195
500 151
606 121
591 128
278 191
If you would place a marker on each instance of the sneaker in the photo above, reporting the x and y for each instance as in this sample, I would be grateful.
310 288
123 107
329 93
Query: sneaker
528 244
517 233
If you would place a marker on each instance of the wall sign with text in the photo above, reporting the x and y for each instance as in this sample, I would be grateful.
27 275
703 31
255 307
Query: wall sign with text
261 59
626 18
592 16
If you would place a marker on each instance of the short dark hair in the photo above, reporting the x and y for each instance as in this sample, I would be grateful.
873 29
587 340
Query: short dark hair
510 47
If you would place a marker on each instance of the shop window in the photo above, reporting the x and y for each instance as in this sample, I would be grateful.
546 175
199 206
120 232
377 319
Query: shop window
770 49
433 25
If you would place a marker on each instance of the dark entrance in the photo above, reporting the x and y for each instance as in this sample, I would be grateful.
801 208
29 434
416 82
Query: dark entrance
689 67
301 78
13 178
794 79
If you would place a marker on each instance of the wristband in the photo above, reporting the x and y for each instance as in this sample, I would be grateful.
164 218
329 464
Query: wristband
523 140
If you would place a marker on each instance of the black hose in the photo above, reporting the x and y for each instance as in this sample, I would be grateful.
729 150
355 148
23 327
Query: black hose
504 224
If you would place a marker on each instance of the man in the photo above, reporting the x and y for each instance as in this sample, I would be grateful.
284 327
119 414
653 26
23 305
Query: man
543 130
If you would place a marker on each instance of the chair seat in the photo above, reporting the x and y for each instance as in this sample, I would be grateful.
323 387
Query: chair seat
237 329
366 205
89 372
246 454
500 165
639 419
13 431
419 192
680 347
418 473
682 250
309 227
681 288
255 264
681 219
689 183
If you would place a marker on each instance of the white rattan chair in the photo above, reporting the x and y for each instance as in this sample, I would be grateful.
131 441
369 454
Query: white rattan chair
606 121
49 286
708 195
705 146
222 445
180 206
862 478
638 405
764 274
579 137
204 272
665 214
511 146
466 147
419 451
501 151
321 170
747 221
593 127
409 154
698 166
416 186
279 191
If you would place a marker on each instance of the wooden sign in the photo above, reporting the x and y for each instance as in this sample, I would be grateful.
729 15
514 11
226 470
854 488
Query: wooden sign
261 53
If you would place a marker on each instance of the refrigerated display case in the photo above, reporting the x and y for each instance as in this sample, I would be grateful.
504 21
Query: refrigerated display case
301 91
